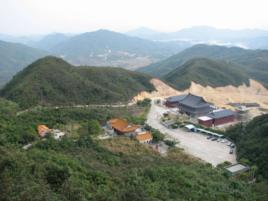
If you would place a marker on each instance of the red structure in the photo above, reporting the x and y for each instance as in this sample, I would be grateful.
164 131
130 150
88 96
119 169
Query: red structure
223 120
205 121
217 118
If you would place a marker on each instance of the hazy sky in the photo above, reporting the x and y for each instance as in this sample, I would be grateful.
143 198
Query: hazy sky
43 16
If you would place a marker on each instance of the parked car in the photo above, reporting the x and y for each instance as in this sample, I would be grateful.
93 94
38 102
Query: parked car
214 139
231 151
232 146
209 137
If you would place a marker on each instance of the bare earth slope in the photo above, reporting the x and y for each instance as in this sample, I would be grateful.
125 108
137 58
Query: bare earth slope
220 96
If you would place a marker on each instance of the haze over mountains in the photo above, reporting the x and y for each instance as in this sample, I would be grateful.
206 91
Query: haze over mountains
99 48
108 48
14 57
248 38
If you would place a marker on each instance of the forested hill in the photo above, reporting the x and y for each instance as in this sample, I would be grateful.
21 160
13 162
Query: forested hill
52 81
206 72
254 62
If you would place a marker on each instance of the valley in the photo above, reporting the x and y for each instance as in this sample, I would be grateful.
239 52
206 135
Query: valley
104 115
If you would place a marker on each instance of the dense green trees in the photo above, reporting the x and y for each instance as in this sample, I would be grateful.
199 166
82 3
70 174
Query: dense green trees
252 142
144 103
157 135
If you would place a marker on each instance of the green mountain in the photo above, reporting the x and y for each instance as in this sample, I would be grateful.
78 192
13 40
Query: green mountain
206 72
255 62
107 48
252 142
13 57
52 81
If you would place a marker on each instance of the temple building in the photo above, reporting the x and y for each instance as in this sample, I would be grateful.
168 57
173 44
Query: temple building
173 101
122 127
194 106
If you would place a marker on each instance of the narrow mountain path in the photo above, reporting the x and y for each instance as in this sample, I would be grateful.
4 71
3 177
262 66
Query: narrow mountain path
73 106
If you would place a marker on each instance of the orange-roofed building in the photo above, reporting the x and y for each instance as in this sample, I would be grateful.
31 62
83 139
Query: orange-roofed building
144 137
43 130
121 126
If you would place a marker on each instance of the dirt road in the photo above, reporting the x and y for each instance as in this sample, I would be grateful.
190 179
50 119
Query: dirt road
195 144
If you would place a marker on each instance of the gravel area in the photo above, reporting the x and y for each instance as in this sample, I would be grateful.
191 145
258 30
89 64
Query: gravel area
193 143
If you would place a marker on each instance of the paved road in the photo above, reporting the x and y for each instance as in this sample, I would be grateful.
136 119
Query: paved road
193 143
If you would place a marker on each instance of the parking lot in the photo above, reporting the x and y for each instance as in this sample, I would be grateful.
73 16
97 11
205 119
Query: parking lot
193 143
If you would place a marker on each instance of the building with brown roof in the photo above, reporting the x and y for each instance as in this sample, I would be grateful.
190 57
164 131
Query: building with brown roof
144 137
122 127
43 130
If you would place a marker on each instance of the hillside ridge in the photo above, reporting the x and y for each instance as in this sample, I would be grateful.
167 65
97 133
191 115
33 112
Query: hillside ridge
53 81
206 72
253 62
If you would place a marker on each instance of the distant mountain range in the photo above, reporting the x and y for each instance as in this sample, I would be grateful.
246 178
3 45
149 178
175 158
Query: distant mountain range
14 57
48 42
250 38
253 62
107 48
52 81
99 48
102 48
26 40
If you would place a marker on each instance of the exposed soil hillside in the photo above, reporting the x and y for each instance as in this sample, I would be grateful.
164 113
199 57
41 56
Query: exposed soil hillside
220 96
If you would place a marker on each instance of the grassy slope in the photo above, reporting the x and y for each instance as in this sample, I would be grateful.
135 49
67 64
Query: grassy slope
52 81
13 57
207 73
